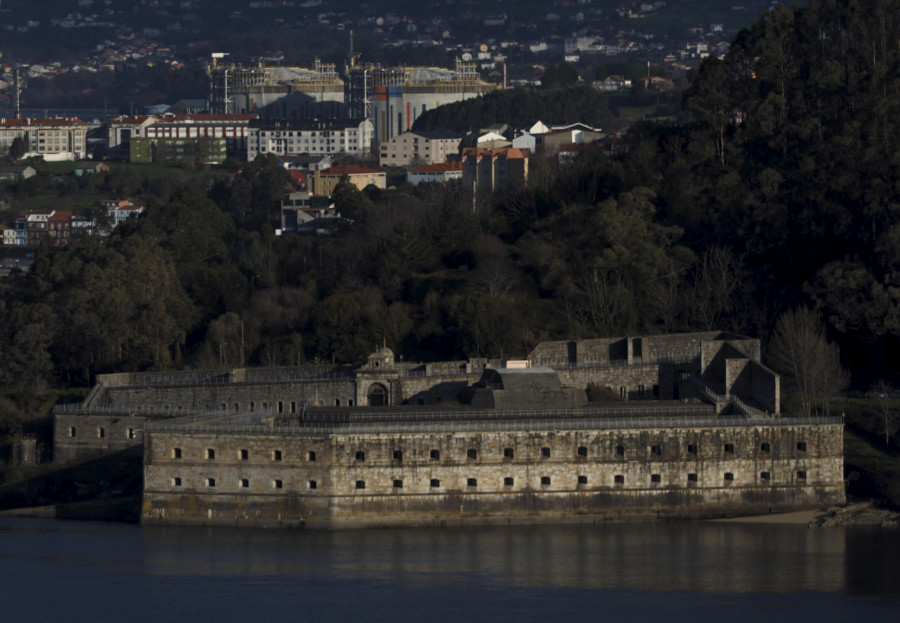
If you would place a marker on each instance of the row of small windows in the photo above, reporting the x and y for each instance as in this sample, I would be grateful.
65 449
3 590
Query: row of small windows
581 451
243 454
508 481
471 453
130 433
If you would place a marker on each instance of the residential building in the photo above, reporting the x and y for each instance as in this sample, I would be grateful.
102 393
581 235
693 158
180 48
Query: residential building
16 173
32 226
178 150
7 236
58 138
232 128
438 172
574 134
119 211
303 212
323 182
414 148
495 169
290 137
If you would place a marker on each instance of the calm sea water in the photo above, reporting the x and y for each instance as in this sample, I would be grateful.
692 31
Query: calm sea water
85 571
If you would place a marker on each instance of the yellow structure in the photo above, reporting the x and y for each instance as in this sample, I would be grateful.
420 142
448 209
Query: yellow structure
323 182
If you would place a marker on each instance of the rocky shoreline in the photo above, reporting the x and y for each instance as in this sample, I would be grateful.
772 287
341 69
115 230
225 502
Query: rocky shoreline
856 514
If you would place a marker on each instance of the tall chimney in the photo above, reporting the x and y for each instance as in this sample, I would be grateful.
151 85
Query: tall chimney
18 108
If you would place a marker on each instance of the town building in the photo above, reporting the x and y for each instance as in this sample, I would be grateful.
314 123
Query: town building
302 212
16 173
178 150
58 138
440 172
495 169
322 182
7 236
119 210
293 137
33 226
232 128
419 148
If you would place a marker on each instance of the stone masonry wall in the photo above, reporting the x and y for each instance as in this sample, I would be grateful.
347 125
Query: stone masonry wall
356 480
84 436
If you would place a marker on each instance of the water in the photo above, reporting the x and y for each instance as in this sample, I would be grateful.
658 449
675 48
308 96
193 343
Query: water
732 572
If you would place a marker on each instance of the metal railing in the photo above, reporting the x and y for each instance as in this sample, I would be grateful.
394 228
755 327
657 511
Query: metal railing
255 427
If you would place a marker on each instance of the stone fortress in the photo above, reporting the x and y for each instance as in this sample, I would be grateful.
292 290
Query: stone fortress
694 429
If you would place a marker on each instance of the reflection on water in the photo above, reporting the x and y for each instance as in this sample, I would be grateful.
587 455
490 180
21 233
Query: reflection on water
673 572
732 558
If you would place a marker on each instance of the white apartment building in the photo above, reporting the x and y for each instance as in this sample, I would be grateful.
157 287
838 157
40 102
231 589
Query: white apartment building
289 137
58 138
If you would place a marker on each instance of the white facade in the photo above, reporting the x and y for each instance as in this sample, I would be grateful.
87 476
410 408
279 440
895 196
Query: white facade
55 139
288 138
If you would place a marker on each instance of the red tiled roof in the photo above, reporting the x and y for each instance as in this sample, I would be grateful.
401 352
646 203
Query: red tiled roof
53 122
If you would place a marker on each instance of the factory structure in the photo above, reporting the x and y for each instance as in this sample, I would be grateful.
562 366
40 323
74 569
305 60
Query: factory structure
391 97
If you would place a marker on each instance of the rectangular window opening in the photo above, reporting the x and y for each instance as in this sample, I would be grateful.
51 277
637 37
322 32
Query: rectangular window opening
311 456
101 432
435 455
765 476
656 450
472 453
545 452
801 446
398 484
655 478
276 455
508 453
619 479
435 482
729 477
313 484
244 483
277 484
582 451
692 448
176 453
210 482
692 477
244 455
176 481
360 455
71 431
398 455
620 450
545 480
471 482
801 477
360 484
582 480
210 454
729 448
508 482
765 447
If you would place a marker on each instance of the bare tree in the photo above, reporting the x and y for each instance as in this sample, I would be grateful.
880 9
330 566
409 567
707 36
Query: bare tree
882 390
800 349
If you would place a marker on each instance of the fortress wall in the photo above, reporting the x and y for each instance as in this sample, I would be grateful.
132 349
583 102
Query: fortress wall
631 378
86 436
181 399
357 480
